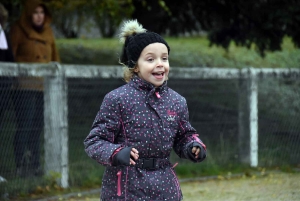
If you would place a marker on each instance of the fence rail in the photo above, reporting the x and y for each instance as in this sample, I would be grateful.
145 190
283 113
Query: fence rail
56 108
92 71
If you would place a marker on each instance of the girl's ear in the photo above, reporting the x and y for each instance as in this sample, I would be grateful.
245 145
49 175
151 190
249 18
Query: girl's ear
136 69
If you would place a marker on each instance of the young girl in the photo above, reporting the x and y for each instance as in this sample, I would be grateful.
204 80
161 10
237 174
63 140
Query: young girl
139 123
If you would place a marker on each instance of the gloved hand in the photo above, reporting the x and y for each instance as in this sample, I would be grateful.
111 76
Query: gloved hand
126 156
195 152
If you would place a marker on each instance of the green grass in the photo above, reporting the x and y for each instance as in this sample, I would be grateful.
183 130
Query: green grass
185 52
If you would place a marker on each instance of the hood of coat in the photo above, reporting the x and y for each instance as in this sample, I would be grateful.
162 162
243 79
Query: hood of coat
26 20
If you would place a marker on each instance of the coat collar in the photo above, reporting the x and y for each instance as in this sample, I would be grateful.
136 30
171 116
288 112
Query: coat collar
141 84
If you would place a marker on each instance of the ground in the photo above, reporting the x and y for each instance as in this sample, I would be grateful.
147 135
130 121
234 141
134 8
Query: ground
276 186
259 187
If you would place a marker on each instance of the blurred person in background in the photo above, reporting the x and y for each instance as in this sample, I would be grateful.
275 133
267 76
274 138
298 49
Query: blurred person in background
32 41
6 55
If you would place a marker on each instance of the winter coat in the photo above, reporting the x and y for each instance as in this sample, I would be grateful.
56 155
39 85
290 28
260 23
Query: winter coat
30 45
6 55
152 120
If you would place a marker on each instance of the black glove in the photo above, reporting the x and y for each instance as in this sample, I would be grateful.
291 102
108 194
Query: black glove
122 157
190 155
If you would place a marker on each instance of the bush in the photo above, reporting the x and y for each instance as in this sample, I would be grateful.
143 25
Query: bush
185 52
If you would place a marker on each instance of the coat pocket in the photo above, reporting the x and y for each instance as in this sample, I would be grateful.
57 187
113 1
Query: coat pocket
119 175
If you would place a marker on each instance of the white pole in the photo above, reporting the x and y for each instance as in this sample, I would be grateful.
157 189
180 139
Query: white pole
253 119
56 126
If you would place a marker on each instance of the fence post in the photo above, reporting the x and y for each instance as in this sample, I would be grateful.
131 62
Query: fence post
248 119
56 125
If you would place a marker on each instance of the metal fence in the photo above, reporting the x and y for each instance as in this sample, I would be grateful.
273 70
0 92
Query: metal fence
245 116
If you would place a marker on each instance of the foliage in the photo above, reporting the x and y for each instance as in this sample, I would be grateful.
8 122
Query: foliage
264 23
13 7
185 52
107 14
98 51
70 16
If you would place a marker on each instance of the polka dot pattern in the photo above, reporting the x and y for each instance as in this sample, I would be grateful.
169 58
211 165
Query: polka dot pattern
133 115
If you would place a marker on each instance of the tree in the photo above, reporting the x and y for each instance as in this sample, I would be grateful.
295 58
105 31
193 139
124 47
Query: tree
68 15
108 14
14 8
71 15
260 22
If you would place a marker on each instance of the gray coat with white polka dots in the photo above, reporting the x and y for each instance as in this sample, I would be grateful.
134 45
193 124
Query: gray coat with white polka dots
152 120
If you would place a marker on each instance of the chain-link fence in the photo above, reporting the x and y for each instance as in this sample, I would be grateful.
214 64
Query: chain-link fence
243 116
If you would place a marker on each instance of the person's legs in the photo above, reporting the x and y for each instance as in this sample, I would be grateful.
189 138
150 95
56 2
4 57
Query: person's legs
5 93
24 104
37 129
2 100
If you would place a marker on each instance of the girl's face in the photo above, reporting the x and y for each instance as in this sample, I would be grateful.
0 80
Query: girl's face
153 64
38 16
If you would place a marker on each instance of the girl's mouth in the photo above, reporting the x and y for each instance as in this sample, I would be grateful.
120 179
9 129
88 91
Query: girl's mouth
158 75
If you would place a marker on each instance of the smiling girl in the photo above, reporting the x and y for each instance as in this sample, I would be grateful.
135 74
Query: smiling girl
139 124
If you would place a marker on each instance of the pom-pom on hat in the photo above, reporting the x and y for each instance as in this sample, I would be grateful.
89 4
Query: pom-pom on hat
135 39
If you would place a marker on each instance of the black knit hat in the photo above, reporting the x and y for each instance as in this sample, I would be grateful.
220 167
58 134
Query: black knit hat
136 39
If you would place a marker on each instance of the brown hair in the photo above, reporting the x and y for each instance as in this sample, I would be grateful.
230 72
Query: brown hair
128 73
3 15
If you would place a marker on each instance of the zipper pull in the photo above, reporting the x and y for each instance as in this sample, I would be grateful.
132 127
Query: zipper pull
119 183
157 95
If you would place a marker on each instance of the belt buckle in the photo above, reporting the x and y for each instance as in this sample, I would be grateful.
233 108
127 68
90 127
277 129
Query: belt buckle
149 164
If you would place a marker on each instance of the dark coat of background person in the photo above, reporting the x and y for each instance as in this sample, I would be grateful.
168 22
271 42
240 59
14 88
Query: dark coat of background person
30 44
6 55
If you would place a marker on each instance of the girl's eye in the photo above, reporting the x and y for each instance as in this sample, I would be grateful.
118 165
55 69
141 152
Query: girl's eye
165 58
150 59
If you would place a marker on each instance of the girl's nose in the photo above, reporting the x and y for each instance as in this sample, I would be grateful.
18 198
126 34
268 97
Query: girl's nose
159 63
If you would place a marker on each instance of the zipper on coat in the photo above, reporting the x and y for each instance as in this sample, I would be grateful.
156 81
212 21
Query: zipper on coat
157 95
119 183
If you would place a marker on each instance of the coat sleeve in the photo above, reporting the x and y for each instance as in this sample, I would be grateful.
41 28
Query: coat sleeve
9 53
186 135
55 52
99 144
15 38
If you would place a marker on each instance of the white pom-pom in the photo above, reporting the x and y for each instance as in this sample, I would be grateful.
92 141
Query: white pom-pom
129 28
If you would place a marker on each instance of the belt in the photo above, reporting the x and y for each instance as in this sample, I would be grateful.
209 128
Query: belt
152 163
